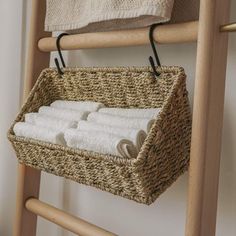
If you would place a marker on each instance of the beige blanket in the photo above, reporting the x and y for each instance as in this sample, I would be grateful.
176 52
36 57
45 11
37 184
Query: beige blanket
103 15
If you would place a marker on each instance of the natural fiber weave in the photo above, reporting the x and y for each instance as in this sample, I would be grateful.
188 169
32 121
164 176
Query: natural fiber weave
164 154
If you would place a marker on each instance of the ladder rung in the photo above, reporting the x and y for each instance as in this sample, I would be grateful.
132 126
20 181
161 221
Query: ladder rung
67 221
231 27
170 33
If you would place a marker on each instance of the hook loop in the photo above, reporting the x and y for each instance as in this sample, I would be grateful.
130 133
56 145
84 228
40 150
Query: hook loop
152 42
60 54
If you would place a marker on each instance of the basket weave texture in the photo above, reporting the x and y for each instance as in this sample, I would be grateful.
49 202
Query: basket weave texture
165 153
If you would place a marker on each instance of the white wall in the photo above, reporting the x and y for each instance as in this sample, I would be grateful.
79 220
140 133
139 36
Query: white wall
10 79
166 217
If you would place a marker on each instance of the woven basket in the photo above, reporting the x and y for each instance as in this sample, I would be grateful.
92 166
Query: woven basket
165 153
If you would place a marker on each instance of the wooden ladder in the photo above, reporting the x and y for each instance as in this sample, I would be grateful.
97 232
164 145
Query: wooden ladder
207 113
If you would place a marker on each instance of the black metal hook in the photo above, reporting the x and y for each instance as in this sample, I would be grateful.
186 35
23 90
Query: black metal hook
60 54
152 42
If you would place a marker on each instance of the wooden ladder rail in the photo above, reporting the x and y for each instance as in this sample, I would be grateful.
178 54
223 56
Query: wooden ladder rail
28 181
207 124
209 87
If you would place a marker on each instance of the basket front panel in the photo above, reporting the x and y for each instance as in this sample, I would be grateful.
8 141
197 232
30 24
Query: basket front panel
118 179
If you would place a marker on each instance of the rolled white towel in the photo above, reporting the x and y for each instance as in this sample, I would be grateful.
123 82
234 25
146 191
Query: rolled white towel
77 105
65 114
133 112
121 121
28 130
135 135
100 142
49 122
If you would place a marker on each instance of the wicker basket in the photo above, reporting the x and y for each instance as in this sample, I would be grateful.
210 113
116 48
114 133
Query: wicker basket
165 153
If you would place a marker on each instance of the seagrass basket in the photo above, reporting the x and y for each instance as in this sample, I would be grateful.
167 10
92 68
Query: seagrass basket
165 153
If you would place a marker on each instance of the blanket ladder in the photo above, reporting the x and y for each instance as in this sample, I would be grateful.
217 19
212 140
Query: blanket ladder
212 38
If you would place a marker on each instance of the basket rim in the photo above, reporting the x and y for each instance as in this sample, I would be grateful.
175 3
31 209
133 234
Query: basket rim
161 69
179 75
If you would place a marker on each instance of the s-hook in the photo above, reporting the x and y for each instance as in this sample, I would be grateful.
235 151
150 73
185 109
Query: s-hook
152 42
60 54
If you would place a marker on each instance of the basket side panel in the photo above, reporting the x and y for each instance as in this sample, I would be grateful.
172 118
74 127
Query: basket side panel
168 145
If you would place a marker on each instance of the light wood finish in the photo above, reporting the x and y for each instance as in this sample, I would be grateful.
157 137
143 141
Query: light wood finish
207 118
172 33
228 27
28 178
67 221
27 185
36 60
163 34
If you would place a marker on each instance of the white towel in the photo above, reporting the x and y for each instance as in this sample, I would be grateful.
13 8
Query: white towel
65 114
121 121
135 135
28 130
49 122
103 15
100 142
133 112
77 105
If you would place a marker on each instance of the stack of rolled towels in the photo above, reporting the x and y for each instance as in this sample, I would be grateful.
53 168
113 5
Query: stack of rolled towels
89 126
